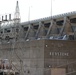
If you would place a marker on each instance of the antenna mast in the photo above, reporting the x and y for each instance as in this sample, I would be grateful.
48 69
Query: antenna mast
51 9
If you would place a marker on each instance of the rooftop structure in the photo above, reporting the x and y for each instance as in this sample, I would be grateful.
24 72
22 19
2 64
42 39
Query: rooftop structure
45 28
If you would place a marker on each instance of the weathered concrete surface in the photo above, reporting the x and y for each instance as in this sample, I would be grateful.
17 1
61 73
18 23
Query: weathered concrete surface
30 52
40 56
60 54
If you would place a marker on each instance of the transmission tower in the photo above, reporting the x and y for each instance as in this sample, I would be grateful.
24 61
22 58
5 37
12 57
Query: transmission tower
17 32
17 14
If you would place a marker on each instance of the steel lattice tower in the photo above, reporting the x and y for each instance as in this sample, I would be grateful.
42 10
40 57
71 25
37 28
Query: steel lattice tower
17 13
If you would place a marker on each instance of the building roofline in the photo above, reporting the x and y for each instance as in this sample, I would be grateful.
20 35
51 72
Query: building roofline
49 18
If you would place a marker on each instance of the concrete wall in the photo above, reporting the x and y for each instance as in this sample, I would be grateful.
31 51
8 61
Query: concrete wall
40 56
59 54
30 52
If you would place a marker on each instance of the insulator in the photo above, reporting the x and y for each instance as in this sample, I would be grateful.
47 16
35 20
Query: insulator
9 16
6 17
2 18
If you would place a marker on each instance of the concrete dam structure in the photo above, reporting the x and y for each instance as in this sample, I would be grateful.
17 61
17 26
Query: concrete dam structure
44 46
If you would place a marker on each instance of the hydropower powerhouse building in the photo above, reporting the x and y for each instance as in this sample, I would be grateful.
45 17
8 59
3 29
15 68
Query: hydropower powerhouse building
44 46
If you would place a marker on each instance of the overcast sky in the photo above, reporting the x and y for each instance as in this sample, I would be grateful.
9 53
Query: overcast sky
38 8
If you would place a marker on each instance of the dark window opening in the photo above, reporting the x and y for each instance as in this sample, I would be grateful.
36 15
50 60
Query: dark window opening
47 25
36 26
60 23
73 20
25 28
